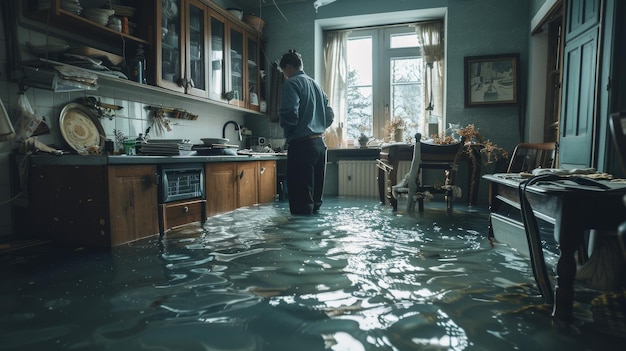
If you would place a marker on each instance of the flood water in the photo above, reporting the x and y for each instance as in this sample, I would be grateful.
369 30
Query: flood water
354 277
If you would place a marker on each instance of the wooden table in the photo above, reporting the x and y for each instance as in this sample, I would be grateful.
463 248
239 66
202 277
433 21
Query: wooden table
390 155
573 209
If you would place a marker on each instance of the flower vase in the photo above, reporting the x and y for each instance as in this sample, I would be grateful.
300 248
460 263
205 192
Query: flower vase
398 135
363 139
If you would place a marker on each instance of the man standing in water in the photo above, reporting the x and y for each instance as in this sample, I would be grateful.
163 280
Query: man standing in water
304 116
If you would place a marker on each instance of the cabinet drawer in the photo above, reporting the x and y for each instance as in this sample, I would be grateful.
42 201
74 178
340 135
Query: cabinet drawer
181 212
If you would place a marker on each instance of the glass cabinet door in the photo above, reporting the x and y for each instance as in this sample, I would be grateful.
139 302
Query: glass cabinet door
236 67
217 49
170 62
196 79
253 74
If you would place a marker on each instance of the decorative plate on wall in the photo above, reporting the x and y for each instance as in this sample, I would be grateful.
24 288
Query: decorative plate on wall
81 128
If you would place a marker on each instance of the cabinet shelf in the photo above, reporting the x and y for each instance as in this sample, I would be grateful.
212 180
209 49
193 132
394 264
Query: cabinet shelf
69 21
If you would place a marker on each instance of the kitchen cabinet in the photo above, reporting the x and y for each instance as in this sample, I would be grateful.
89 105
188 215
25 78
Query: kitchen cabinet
230 185
253 73
220 187
170 58
243 68
247 183
106 201
183 45
217 57
205 53
267 181
132 194
91 205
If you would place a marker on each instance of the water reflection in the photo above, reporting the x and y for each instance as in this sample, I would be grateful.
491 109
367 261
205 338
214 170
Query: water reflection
355 277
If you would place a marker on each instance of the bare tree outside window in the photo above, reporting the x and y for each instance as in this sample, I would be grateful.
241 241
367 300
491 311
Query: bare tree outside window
384 81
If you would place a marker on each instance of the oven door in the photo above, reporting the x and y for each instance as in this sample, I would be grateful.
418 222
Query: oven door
181 182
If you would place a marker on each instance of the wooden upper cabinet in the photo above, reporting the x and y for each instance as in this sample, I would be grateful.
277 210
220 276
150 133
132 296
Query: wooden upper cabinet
196 79
235 66
170 45
217 56
253 76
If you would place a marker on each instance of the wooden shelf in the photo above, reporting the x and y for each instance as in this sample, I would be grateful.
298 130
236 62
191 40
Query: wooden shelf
69 21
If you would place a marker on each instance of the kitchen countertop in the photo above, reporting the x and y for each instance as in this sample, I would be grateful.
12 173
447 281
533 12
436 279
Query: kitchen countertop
96 160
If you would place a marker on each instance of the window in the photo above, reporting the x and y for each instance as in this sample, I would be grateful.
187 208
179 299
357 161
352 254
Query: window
385 80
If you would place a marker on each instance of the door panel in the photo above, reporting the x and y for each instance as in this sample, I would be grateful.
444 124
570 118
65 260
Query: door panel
579 101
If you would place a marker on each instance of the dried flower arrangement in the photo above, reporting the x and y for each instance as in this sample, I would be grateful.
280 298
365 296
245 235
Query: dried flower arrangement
390 128
489 152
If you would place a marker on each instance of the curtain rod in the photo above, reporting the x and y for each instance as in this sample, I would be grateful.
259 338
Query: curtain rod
407 24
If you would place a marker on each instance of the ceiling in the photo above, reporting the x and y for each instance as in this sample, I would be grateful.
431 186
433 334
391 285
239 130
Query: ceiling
252 4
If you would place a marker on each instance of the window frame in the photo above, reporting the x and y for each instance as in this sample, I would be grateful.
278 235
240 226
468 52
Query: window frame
381 76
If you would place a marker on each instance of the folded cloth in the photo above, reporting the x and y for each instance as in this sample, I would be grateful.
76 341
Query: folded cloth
580 172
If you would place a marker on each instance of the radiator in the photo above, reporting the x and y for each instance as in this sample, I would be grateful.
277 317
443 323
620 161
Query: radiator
360 178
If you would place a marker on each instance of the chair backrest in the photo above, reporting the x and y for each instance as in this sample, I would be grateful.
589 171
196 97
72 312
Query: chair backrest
528 156
617 124
427 155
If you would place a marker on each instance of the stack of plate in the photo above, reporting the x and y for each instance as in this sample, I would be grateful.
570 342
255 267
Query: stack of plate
100 16
121 10
72 6
159 149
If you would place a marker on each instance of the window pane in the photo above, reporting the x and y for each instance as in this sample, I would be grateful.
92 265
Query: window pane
359 114
360 59
408 40
407 92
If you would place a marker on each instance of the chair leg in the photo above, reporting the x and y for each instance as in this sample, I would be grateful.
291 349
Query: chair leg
394 203
420 202
410 207
449 197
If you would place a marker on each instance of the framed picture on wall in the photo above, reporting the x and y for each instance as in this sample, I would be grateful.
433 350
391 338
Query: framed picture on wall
491 80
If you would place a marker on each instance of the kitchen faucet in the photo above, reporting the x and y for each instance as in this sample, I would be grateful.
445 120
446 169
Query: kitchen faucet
237 128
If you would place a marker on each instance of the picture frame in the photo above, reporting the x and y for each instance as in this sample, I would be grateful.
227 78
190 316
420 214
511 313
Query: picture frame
491 80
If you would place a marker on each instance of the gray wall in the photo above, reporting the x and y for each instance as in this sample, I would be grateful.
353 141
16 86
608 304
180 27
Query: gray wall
474 28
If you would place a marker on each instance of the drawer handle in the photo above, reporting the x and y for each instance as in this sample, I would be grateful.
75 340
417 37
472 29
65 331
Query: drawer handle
185 209
240 175
262 170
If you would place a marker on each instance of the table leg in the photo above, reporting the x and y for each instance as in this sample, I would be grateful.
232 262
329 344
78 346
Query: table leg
381 186
569 234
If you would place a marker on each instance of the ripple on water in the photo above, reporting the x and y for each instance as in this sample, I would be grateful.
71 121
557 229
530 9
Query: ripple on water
355 277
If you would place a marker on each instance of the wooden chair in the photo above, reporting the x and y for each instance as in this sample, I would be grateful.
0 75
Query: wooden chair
525 158
528 156
429 156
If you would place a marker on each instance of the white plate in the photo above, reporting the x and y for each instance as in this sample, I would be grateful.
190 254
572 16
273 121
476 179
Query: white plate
211 141
81 128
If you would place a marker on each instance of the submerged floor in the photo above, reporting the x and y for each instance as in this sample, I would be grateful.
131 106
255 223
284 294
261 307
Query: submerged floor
355 277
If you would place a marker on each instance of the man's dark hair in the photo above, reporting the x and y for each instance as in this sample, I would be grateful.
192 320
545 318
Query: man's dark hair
291 58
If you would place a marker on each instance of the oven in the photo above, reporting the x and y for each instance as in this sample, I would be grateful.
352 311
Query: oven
181 182
182 198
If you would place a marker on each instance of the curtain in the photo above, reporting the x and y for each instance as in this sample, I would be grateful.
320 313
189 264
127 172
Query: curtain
336 68
430 37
